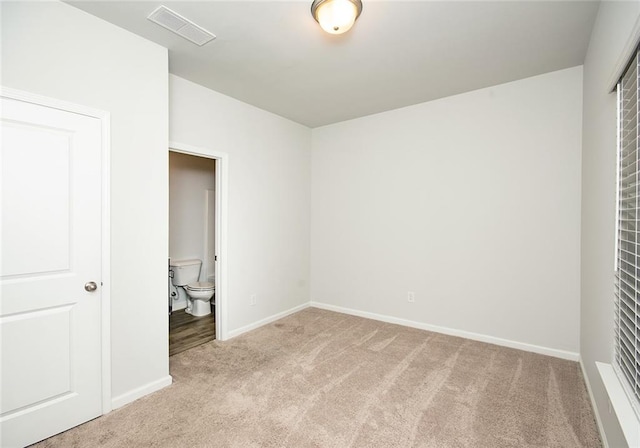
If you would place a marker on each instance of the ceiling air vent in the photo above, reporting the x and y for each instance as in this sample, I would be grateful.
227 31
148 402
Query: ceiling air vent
173 21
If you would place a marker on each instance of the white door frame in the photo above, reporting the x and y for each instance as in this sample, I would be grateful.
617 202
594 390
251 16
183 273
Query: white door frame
105 124
222 172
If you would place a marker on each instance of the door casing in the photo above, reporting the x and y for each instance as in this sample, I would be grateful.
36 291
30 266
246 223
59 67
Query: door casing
222 172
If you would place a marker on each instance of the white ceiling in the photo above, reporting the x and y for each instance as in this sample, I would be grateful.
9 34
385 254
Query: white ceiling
272 54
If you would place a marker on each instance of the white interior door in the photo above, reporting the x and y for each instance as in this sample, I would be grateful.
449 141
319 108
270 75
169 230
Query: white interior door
50 323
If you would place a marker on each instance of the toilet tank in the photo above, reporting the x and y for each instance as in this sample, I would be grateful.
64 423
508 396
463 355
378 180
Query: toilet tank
185 271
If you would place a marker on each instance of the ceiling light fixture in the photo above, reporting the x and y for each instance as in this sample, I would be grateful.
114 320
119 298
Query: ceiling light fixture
336 16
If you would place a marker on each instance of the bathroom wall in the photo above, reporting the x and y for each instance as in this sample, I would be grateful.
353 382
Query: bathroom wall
472 202
189 179
56 50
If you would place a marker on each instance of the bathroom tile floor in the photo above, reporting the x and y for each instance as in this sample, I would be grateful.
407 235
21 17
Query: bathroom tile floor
187 331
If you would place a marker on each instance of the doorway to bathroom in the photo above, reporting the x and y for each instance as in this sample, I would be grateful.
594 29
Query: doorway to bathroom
197 246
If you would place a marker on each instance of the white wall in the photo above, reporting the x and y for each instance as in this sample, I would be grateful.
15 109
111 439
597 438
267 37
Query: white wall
189 179
56 50
268 196
472 202
611 31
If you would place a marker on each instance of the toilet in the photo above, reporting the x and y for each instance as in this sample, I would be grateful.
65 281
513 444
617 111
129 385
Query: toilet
185 274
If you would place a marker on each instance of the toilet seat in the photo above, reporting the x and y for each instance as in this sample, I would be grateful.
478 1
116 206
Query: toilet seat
200 286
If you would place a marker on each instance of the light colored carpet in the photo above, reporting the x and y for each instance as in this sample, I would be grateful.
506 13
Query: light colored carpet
323 379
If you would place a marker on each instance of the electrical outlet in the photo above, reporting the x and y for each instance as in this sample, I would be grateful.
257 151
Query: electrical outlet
411 296
254 300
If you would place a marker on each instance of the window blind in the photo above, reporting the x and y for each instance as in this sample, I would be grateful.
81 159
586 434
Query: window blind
627 288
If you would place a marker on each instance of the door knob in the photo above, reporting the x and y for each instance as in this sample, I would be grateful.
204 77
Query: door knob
90 286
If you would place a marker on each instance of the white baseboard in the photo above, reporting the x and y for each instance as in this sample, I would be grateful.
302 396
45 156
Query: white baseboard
571 356
603 435
265 321
140 392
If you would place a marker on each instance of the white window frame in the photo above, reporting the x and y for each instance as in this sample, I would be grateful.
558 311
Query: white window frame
626 355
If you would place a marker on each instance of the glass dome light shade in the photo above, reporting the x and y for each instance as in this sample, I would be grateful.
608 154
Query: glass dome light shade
336 16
